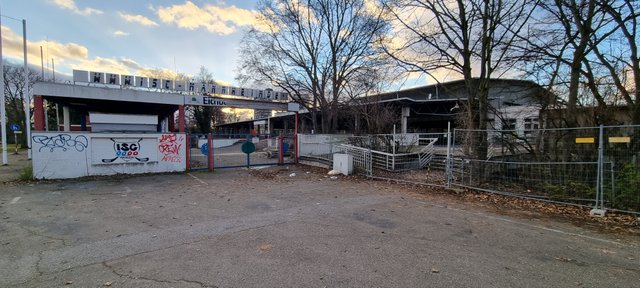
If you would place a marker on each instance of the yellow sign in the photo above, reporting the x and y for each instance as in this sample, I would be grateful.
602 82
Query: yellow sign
585 140
625 139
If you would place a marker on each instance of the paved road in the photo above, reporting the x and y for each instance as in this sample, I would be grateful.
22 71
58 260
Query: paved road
234 229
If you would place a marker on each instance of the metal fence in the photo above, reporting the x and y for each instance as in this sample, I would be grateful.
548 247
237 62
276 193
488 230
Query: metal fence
199 156
592 166
244 150
401 157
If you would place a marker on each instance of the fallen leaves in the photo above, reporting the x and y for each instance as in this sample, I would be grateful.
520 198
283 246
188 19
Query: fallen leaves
265 248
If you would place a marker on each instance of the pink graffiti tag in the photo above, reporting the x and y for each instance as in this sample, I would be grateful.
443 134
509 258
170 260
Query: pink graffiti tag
170 145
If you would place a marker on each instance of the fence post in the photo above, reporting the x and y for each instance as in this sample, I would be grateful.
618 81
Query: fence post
295 140
599 210
280 150
370 168
188 151
613 184
210 152
448 158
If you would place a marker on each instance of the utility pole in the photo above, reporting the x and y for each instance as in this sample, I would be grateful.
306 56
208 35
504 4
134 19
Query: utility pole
27 107
3 113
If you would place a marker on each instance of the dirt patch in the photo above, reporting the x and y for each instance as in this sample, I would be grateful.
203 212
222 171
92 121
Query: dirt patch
616 223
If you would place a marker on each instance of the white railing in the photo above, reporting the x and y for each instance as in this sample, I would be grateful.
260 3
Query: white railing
390 161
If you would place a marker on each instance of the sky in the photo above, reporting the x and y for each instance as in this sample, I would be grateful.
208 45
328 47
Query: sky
127 37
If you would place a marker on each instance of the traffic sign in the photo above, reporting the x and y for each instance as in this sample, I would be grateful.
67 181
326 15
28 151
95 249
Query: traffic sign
14 127
248 148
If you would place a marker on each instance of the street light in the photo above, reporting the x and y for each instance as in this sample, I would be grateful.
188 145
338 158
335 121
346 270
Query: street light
27 107
3 116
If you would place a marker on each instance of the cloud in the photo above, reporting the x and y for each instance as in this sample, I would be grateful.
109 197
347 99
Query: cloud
111 65
215 19
67 56
12 45
71 6
142 20
120 33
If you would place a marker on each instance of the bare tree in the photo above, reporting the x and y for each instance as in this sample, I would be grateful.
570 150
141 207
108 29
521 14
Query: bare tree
205 117
460 36
616 49
314 50
588 51
14 94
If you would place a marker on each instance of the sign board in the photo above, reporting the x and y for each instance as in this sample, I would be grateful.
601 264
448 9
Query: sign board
15 127
623 139
204 101
248 147
119 150
82 76
293 107
585 140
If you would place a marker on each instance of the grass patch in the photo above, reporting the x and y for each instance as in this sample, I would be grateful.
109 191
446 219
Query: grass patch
26 174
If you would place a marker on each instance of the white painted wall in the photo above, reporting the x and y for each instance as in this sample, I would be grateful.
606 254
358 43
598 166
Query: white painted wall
520 113
318 144
59 155
107 118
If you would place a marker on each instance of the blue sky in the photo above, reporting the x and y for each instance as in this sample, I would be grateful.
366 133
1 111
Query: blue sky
124 36
133 36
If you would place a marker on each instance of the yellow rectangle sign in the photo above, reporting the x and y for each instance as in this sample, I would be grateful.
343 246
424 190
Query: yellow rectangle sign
585 140
626 139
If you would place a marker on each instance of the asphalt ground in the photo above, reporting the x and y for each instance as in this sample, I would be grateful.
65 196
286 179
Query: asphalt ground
235 228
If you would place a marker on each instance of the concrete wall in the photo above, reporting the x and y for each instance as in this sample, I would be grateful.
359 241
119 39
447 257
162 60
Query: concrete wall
319 144
59 155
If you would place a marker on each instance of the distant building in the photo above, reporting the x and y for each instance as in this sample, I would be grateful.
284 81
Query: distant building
515 104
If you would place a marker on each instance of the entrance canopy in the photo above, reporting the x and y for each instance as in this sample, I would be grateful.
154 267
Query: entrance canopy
132 101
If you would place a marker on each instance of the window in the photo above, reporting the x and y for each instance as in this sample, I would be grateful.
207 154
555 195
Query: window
509 124
531 124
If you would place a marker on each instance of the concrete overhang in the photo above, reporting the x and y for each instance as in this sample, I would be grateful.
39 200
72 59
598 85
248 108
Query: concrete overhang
105 93
85 94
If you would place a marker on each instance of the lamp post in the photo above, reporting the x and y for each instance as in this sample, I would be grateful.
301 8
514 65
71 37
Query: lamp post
3 116
27 107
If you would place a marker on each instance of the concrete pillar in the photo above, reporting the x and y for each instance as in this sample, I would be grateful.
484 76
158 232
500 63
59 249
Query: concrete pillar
87 121
181 119
405 115
83 121
38 113
269 125
356 124
46 115
172 124
66 118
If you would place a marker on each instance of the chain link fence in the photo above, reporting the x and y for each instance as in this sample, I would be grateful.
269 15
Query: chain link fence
592 166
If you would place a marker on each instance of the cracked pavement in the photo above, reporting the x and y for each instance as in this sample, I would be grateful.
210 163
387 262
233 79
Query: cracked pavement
235 229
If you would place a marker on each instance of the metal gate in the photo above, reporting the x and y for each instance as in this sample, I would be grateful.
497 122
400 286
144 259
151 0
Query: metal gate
246 150
199 154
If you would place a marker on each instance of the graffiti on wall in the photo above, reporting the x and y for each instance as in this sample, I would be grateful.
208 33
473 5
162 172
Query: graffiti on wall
169 146
62 142
126 151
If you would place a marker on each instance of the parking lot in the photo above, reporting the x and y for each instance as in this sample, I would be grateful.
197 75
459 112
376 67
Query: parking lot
273 228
